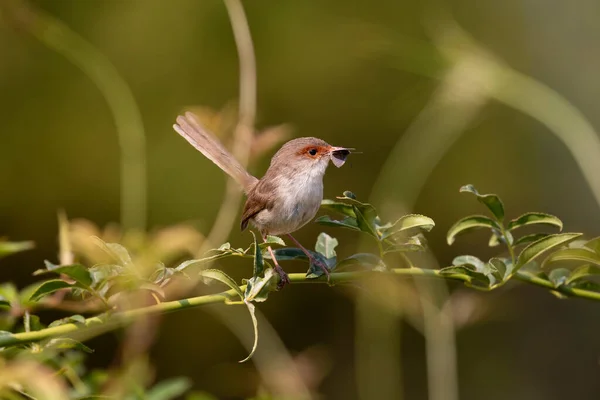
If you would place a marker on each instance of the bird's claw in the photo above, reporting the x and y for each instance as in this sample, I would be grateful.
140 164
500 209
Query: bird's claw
283 277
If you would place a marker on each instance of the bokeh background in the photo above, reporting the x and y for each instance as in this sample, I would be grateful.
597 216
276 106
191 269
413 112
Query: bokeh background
502 95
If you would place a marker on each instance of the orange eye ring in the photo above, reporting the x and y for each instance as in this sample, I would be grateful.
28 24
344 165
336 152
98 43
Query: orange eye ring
313 152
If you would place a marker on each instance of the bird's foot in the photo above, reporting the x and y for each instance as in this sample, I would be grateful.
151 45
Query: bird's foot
283 277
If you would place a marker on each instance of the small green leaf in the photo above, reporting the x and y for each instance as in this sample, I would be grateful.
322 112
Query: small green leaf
583 272
491 201
259 287
7 248
339 207
530 238
169 389
470 260
550 242
274 240
410 221
64 343
77 272
501 269
9 293
467 274
532 218
326 245
348 222
468 223
48 287
574 254
559 276
366 261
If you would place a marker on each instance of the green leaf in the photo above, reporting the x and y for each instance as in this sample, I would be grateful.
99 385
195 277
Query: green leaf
366 215
8 248
366 261
115 250
414 243
468 223
48 287
583 272
339 207
326 245
169 389
559 276
537 248
259 287
491 201
593 244
502 269
348 222
469 260
530 238
487 269
224 278
573 254
410 221
77 272
467 274
532 218
274 240
64 343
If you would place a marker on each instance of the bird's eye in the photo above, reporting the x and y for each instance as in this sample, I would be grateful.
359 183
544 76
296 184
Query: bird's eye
312 152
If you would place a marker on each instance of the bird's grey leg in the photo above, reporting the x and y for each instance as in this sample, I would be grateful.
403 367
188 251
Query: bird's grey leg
312 259
283 277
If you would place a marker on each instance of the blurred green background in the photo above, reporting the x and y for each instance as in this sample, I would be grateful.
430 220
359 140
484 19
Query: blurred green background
420 89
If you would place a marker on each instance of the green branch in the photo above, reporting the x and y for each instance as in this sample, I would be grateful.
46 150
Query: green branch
106 322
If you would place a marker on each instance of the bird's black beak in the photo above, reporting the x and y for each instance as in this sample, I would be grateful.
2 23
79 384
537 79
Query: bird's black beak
338 155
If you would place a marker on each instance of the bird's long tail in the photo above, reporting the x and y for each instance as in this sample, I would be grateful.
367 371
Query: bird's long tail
190 129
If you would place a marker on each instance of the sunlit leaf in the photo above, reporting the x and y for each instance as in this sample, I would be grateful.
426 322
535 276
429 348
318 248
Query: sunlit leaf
467 224
488 270
583 272
259 287
407 222
274 240
50 286
491 201
326 245
366 214
537 248
466 273
7 248
9 292
573 254
169 389
532 218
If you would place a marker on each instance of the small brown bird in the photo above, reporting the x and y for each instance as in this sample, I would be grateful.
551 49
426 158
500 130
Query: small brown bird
290 193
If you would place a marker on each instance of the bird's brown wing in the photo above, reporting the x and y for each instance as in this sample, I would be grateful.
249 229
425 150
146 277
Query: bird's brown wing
261 197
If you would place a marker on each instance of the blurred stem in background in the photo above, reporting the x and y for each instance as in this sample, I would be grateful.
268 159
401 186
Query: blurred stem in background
244 130
128 121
